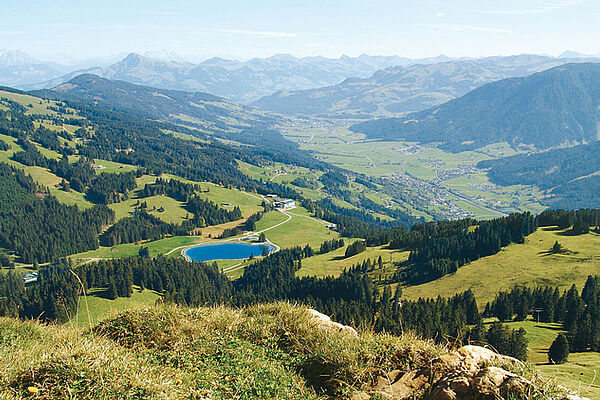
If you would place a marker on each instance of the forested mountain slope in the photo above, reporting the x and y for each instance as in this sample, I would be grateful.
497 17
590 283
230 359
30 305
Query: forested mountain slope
570 175
550 108
207 111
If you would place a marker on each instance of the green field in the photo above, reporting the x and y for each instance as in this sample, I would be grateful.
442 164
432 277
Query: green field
445 171
334 263
526 264
100 307
71 198
300 230
156 247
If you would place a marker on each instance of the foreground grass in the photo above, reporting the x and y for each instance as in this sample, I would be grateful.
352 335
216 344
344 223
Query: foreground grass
526 264
262 352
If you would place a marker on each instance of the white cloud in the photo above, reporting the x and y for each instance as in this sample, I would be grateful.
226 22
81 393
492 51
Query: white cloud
440 14
260 34
549 7
465 28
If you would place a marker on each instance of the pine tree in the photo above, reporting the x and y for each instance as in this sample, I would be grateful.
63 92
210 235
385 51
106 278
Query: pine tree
556 248
558 353
111 291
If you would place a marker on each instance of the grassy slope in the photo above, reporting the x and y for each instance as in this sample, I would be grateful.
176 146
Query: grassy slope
272 351
299 231
521 264
333 263
100 307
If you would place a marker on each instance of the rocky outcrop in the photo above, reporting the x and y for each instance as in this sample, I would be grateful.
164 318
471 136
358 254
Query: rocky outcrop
324 321
470 373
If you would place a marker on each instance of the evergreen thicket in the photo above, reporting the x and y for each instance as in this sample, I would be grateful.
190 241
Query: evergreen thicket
39 228
355 248
578 313
331 245
173 188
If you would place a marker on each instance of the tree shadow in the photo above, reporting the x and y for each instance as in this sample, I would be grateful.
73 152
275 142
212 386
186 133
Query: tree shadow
570 232
552 228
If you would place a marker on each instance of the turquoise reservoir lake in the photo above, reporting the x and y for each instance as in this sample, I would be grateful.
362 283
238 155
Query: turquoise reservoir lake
226 251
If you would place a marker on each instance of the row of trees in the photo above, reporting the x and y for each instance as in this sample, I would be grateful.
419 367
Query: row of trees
355 248
578 313
581 220
331 245
173 188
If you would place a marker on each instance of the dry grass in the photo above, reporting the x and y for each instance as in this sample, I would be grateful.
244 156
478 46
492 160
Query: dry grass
270 351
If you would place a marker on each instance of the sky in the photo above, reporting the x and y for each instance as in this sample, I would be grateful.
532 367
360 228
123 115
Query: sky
81 29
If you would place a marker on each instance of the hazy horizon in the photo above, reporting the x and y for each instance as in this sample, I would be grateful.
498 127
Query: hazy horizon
70 33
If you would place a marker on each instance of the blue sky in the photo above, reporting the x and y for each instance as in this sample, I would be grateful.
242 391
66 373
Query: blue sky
260 28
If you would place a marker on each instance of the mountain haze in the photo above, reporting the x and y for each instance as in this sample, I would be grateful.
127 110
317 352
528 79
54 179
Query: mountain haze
402 89
17 68
550 108
235 80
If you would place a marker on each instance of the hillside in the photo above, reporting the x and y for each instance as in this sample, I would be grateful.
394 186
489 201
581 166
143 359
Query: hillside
232 79
527 264
568 175
550 108
261 352
205 111
401 89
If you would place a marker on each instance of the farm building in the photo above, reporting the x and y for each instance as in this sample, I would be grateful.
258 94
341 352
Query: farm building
29 277
285 204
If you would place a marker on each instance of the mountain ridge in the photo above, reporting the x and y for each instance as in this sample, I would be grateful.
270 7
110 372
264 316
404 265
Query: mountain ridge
401 89
547 109
232 79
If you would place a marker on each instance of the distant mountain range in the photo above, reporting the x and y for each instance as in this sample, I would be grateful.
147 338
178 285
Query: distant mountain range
19 69
239 81
556 107
401 89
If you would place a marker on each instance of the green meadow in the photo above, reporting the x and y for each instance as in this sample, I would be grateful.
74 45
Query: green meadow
526 264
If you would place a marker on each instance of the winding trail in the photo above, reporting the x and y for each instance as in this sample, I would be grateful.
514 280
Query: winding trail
239 265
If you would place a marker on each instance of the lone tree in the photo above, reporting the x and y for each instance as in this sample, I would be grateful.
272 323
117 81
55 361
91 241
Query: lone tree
558 353
557 248
262 238
144 252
